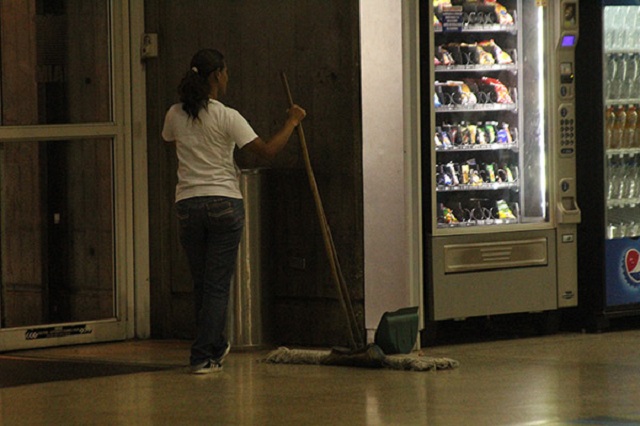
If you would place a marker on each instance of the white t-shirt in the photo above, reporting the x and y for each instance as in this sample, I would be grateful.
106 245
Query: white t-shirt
206 166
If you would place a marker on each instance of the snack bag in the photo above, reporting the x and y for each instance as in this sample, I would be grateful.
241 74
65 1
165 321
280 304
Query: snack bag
485 58
448 215
502 93
473 131
491 172
468 97
504 17
465 134
443 56
445 139
453 172
481 134
504 212
501 57
510 177
476 178
504 135
465 174
490 128
436 139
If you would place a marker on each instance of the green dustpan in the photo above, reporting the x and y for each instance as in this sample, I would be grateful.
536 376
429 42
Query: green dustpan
398 331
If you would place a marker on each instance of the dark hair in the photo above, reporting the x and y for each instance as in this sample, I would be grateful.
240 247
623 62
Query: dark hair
194 88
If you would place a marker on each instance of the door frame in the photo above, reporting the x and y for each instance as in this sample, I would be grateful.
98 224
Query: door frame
131 234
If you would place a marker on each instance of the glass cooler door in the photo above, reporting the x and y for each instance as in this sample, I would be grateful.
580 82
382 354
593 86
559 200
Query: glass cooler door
622 133
621 63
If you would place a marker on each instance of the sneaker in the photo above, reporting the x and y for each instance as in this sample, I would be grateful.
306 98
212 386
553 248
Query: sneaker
210 366
224 354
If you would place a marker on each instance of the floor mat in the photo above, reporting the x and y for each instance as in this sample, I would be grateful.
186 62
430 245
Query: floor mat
16 371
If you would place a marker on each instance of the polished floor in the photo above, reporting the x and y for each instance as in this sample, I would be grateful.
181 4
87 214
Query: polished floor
562 379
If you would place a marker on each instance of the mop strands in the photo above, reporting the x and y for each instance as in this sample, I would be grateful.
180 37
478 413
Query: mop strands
370 357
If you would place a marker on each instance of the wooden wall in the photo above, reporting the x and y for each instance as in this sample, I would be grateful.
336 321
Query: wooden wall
316 44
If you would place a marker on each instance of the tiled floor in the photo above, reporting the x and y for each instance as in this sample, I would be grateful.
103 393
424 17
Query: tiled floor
564 379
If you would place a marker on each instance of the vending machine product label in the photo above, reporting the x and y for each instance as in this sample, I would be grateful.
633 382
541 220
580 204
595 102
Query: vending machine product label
452 18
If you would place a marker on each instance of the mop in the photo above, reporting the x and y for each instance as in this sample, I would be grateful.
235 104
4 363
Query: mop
359 354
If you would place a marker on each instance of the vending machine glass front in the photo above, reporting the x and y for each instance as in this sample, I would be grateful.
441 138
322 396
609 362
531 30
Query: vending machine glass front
490 155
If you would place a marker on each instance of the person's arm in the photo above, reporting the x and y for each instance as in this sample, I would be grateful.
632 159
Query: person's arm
278 140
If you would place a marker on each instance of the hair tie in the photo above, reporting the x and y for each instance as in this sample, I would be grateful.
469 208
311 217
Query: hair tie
194 69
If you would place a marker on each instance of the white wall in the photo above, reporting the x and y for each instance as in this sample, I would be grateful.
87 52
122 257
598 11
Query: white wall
392 235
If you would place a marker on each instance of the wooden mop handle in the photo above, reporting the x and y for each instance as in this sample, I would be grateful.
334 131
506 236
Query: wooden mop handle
354 334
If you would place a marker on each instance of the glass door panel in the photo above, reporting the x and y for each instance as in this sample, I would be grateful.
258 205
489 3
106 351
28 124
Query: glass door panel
56 232
55 61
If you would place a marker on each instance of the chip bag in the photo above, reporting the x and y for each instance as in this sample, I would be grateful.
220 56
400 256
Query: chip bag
501 57
504 212
501 91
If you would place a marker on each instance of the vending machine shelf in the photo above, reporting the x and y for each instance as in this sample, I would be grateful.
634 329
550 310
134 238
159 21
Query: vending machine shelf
624 202
482 28
476 68
477 108
478 147
479 187
482 222
622 152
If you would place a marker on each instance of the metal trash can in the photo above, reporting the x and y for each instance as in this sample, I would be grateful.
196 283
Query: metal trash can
247 324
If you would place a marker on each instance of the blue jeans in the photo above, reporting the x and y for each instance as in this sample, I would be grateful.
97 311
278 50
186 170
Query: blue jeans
210 233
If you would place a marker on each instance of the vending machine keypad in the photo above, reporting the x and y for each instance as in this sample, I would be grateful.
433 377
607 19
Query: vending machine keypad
567 132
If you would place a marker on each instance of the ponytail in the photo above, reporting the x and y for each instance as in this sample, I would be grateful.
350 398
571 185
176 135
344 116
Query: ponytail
194 88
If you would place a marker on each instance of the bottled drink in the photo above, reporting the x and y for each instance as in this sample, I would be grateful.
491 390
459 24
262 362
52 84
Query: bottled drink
609 28
629 88
630 28
615 184
620 77
612 64
631 178
636 37
611 182
618 128
621 30
633 32
610 120
636 136
630 127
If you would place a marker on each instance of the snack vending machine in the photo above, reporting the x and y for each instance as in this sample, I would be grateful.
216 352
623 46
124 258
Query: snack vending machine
608 99
498 156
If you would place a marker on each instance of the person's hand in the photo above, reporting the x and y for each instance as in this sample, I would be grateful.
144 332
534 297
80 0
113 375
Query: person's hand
296 114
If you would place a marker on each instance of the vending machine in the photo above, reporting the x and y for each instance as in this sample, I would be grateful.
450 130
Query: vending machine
608 99
498 156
